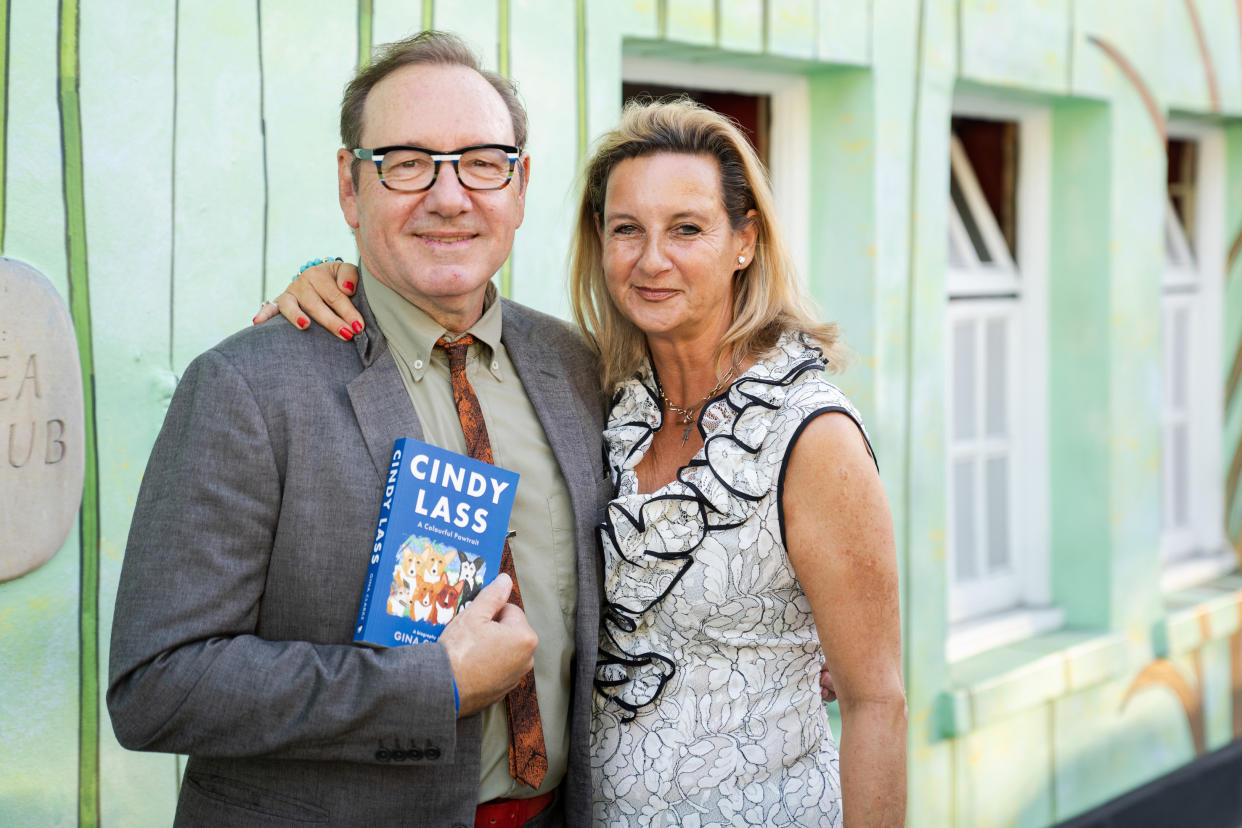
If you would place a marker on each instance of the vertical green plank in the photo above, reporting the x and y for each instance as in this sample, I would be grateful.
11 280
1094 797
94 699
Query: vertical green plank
843 30
219 176
428 13
914 82
129 263
691 21
478 24
394 19
304 69
80 308
740 25
544 58
607 22
366 10
39 629
791 28
502 58
4 112
842 228
1019 44
580 43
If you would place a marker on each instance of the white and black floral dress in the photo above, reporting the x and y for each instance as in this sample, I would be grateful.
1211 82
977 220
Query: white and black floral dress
707 708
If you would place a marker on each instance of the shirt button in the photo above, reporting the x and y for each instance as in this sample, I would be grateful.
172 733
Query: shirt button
418 365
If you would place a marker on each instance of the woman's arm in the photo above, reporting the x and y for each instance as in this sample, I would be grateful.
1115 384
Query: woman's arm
840 540
322 293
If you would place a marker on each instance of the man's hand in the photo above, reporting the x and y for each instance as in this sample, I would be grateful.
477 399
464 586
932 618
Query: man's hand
827 690
490 647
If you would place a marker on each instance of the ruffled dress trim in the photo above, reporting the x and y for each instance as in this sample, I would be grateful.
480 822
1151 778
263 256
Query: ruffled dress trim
649 539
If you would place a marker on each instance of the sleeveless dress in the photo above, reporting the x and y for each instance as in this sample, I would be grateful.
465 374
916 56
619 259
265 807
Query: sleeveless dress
707 708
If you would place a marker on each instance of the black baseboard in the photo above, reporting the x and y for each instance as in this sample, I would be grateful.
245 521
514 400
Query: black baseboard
1207 793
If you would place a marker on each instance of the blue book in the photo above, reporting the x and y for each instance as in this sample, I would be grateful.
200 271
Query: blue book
442 527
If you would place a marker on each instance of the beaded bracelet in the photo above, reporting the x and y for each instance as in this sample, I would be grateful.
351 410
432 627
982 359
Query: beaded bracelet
314 262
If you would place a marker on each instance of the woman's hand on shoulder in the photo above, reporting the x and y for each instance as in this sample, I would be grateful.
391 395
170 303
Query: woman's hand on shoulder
321 294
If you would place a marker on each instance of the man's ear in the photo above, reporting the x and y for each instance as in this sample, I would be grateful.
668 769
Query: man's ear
523 181
524 174
347 193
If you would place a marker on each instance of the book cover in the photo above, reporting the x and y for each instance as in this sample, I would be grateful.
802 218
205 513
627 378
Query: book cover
441 530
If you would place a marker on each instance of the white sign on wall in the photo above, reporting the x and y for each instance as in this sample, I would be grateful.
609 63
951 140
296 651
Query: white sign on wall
42 447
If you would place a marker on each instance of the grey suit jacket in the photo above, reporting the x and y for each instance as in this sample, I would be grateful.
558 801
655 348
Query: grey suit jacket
246 561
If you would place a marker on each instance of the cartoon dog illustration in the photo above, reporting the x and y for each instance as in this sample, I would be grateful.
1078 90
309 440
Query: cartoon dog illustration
399 600
471 580
423 604
404 579
446 603
431 566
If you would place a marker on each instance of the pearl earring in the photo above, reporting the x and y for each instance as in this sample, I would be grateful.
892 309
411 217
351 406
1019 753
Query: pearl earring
741 260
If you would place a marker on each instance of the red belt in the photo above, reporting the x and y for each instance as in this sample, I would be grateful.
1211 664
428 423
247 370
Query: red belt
510 813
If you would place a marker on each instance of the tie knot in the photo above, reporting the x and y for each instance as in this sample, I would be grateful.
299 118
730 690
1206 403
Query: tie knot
458 345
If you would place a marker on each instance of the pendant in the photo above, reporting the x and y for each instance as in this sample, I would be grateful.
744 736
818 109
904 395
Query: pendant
685 435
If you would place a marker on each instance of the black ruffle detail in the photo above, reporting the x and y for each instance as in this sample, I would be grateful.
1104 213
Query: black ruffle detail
703 499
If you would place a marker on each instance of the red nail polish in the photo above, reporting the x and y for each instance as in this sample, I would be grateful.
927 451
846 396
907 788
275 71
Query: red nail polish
346 334
357 327
302 323
349 286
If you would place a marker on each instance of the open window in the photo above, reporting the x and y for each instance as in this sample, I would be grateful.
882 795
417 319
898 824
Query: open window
1191 541
997 554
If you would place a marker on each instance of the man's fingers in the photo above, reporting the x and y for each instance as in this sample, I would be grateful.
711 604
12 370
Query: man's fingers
493 598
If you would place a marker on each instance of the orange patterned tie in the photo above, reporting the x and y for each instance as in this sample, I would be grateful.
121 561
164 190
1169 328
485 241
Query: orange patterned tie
528 756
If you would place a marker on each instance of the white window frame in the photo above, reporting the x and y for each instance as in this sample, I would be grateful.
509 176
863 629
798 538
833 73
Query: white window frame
983 618
1200 552
789 131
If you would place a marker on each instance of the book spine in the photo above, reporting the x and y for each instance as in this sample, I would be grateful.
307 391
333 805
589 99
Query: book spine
377 548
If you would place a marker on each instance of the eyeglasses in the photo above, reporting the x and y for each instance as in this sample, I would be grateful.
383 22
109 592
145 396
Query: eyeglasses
414 169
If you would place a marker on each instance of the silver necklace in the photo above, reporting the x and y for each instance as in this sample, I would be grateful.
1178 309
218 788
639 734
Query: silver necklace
687 414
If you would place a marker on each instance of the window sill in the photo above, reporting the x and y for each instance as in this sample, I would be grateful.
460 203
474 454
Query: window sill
1197 569
994 685
1197 615
970 638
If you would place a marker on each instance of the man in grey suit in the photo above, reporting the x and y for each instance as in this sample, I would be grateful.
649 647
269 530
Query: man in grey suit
248 552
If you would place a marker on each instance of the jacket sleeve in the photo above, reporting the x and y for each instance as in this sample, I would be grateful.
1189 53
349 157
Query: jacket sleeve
188 673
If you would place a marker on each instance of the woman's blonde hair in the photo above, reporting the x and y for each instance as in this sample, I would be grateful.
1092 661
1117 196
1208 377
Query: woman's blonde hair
767 299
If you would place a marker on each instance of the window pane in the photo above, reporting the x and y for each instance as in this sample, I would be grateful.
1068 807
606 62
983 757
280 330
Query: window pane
997 382
1179 356
1179 469
968 219
957 256
998 513
964 380
963 496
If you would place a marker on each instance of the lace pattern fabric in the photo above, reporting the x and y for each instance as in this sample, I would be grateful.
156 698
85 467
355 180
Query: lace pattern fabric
707 708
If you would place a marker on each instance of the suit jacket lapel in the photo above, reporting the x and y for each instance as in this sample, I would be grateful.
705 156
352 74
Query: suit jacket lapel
383 409
557 409
378 394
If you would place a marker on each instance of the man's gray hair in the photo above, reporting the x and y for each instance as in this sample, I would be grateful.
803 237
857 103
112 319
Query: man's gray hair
426 47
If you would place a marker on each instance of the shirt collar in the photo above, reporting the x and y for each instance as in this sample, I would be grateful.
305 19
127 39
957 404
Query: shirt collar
412 333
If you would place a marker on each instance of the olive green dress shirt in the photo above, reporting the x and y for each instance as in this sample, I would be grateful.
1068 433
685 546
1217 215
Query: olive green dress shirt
543 548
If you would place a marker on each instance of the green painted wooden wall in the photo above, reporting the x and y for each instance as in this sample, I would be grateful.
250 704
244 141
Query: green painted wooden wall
169 163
